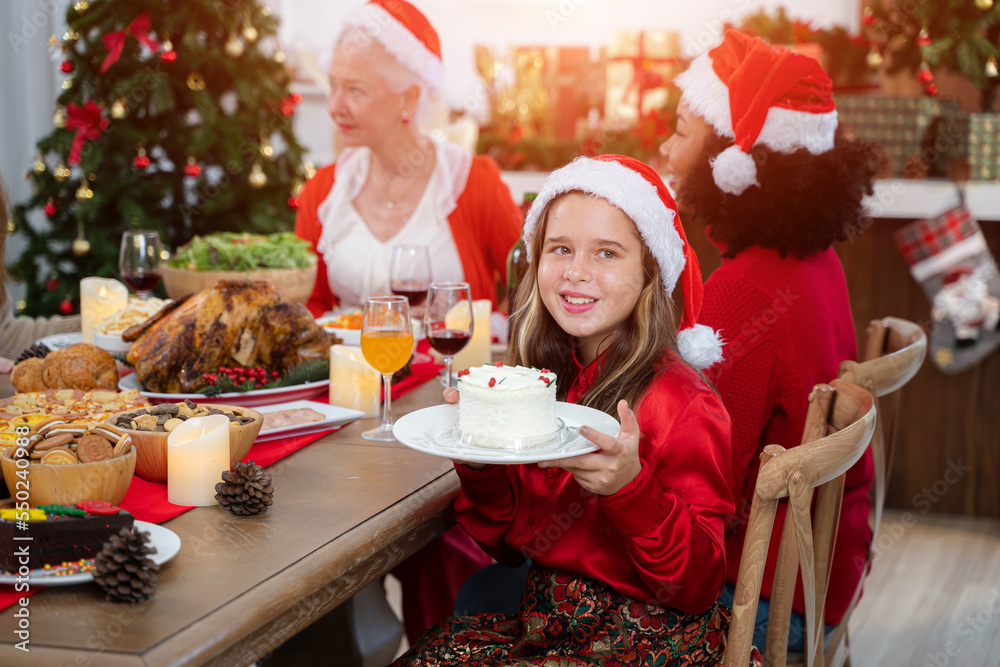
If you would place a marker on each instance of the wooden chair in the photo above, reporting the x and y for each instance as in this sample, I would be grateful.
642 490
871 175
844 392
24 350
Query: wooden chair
893 352
820 462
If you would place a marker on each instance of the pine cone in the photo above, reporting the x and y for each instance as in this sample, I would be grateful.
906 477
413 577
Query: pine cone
246 490
39 350
123 570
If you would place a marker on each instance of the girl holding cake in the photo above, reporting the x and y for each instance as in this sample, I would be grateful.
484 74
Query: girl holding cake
757 157
627 543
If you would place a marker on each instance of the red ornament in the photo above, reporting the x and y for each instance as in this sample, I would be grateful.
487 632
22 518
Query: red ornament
925 76
141 162
923 40
932 89
66 307
296 98
869 18
52 285
293 202
168 56
287 108
66 67
50 209
192 169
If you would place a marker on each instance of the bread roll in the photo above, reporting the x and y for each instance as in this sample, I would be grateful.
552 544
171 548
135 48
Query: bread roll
81 366
27 376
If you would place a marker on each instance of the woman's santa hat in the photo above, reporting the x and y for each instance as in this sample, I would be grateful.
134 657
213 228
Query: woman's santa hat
406 34
756 93
637 190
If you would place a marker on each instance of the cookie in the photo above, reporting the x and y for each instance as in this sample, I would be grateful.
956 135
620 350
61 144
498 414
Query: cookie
43 427
110 433
92 448
164 409
61 456
144 422
74 430
53 441
123 446
171 424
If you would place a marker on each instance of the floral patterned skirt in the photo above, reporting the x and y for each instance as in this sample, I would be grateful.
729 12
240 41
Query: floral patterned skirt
566 620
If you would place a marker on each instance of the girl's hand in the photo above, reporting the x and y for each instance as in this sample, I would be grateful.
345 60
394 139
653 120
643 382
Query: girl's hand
614 465
450 397
6 365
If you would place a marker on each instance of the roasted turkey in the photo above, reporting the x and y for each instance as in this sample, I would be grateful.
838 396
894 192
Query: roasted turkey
234 323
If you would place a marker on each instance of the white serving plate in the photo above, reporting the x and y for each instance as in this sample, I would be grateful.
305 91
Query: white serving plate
429 431
166 542
246 399
61 341
335 417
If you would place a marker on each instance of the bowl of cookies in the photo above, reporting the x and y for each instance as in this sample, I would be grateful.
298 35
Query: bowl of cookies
60 463
149 428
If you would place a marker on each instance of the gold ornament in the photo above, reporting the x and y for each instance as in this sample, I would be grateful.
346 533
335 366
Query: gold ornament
83 193
10 227
984 4
39 166
81 247
257 177
67 84
71 36
168 45
81 6
265 147
250 33
118 108
309 168
196 81
874 58
297 188
279 56
233 47
53 41
991 68
21 305
59 118
61 173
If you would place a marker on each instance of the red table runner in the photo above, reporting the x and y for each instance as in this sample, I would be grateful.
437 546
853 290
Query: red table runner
147 501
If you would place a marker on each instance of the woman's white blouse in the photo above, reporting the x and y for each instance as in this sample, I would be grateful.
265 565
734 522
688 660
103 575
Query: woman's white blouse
357 262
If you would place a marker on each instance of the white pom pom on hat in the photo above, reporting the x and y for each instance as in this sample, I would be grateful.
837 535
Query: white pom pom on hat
758 94
638 191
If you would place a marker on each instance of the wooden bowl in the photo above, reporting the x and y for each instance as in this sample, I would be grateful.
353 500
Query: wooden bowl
151 446
51 484
293 284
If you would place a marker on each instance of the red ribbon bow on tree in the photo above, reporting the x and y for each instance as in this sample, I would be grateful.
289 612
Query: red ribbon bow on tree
115 41
87 122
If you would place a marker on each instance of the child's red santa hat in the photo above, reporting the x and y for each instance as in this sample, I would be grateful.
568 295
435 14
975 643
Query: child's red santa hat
756 93
637 190
406 34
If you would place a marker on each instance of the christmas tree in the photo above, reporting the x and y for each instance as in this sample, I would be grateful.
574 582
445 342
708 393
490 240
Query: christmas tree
174 116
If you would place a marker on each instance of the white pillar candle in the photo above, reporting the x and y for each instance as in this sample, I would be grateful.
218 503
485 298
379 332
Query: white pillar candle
353 383
477 352
99 298
197 455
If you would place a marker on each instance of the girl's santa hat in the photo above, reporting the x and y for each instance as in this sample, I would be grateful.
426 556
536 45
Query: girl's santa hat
637 190
406 34
756 93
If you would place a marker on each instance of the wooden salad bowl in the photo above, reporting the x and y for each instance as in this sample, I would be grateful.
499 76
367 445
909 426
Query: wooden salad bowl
151 446
51 484
293 284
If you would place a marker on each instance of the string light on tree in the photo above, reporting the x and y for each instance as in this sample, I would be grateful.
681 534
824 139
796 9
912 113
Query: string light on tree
83 193
59 118
984 5
119 109
991 68
196 81
250 33
67 84
279 56
39 165
233 47
81 6
874 58
61 172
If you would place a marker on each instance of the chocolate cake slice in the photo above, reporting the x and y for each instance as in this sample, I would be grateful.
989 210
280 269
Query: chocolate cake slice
64 534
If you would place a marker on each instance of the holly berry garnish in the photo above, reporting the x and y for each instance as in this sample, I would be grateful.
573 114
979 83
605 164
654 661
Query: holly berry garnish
499 364
463 372
493 382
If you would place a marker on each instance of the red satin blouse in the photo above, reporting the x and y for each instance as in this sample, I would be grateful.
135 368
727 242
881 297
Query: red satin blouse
660 539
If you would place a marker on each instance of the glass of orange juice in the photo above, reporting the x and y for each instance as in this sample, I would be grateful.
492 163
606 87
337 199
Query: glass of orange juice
386 343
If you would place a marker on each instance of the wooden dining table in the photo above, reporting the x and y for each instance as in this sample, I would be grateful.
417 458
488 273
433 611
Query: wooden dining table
346 511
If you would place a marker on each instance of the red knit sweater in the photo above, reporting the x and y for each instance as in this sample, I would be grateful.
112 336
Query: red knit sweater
788 325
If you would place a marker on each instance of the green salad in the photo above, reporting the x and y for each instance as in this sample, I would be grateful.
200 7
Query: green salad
232 251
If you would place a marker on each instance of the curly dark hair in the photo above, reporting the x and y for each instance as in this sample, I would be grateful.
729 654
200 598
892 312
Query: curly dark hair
803 204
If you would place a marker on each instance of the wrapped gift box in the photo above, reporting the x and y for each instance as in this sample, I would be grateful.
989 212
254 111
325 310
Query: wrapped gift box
640 68
904 126
973 139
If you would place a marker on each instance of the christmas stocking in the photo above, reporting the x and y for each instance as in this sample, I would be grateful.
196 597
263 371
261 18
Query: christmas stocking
948 256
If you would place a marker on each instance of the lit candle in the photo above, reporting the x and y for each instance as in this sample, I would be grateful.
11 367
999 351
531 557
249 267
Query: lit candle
353 383
477 352
99 298
197 454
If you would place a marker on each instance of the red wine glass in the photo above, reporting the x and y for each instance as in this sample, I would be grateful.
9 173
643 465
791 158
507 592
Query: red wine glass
139 260
409 276
448 320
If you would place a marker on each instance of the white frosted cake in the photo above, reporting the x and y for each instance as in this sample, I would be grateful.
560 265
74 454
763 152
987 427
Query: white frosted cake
503 406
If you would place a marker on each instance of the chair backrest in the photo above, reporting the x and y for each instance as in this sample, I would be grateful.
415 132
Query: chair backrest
820 462
893 352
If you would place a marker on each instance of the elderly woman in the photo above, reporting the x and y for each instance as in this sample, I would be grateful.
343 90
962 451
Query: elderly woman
18 333
393 185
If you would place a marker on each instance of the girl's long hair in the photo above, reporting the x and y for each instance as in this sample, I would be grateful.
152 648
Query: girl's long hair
631 361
